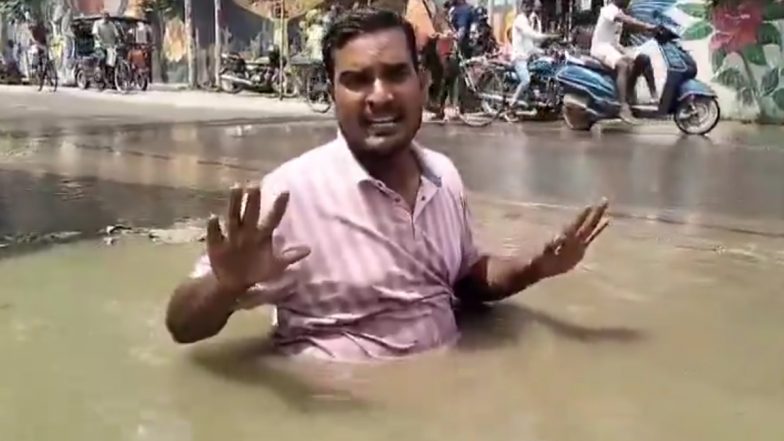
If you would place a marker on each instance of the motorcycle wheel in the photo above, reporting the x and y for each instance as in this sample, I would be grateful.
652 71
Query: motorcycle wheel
82 81
575 117
697 115
229 86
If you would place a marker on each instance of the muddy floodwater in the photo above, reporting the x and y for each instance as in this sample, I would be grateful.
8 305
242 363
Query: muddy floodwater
672 329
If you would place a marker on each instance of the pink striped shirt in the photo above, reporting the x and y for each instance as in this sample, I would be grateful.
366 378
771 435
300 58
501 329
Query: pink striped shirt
379 280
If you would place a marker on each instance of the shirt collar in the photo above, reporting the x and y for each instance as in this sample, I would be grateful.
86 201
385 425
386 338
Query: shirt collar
357 174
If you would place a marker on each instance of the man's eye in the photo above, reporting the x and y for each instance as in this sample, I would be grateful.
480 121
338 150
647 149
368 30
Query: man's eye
354 80
399 74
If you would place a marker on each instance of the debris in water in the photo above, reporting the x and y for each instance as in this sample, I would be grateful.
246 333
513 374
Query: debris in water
113 229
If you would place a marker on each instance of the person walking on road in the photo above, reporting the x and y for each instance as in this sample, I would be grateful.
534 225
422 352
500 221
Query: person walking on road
363 245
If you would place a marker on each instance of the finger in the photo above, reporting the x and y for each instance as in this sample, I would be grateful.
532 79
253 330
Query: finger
273 218
250 218
554 244
293 255
214 234
597 213
597 231
572 229
233 215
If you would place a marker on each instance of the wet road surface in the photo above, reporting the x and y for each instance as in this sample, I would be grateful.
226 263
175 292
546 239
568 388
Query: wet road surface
671 329
732 180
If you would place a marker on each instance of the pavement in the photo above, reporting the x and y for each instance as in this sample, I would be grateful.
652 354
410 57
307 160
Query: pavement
25 108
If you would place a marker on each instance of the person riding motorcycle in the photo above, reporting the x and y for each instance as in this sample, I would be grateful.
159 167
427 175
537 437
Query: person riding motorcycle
525 41
106 37
606 47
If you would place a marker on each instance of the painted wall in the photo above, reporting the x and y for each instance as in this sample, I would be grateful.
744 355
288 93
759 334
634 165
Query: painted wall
739 51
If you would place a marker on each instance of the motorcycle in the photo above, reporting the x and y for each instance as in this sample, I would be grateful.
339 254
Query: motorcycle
544 96
262 76
590 93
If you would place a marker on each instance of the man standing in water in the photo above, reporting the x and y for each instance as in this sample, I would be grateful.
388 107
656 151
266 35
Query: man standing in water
364 243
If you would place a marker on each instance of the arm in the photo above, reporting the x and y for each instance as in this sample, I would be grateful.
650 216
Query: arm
525 28
235 265
200 308
633 23
494 278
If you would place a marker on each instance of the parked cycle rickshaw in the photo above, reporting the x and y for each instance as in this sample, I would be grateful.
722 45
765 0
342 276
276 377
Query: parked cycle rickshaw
124 68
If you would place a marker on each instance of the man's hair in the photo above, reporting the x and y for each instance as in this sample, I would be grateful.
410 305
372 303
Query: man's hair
357 22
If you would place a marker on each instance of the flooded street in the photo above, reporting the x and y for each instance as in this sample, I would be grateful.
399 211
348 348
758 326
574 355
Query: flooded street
671 330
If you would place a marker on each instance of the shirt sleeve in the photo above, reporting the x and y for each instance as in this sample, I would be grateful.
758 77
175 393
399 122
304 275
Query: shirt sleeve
267 293
610 12
470 253
524 27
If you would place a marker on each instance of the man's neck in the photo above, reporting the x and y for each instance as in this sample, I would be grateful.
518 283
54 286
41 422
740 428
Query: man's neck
396 171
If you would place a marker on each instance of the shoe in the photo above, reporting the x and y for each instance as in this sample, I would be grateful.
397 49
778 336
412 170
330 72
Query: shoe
626 115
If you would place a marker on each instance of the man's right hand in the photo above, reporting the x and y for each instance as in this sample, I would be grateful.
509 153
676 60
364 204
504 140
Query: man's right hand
245 255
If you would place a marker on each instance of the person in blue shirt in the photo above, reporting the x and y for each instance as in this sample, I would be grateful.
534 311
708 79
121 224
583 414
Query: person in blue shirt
462 19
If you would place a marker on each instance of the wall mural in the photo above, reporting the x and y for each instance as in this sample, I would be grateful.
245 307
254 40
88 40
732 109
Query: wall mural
738 49
746 52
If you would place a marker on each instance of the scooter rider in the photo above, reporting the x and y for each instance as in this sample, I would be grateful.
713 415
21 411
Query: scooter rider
525 40
606 47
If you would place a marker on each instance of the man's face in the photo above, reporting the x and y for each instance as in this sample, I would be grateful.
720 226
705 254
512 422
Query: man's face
378 93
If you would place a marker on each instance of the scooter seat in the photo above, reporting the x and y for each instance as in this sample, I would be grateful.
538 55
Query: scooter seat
593 64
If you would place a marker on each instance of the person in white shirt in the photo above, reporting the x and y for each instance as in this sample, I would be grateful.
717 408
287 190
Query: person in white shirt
141 34
606 47
106 37
525 42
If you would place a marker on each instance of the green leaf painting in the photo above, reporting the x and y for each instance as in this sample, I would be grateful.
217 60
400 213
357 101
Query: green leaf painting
717 59
768 34
697 10
755 55
698 31
746 96
769 82
778 98
732 78
773 11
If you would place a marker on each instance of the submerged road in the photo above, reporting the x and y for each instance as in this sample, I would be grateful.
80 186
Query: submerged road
78 170
669 330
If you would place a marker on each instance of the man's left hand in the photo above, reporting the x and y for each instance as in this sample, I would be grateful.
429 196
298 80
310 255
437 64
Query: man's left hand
567 250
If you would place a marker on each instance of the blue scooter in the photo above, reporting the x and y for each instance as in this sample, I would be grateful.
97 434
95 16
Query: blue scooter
590 93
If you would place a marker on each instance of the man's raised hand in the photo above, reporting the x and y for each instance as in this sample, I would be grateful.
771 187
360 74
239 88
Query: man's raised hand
245 256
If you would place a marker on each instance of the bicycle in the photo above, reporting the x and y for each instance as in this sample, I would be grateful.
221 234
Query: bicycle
478 88
45 72
316 88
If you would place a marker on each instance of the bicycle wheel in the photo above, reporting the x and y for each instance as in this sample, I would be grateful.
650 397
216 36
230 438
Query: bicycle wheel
480 102
123 81
40 75
317 91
